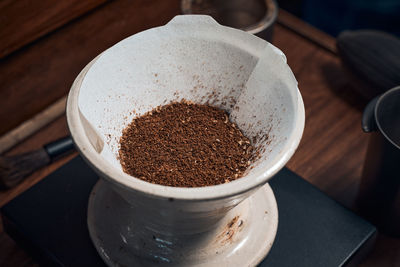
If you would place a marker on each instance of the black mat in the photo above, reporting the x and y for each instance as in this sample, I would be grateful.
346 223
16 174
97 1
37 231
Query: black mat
49 220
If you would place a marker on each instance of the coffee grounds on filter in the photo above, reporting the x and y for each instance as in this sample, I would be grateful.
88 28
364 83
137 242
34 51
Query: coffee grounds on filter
183 144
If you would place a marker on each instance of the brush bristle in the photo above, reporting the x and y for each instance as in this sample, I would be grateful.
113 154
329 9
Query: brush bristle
13 169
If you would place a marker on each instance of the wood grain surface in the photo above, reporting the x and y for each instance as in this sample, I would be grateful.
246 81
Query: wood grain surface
330 155
307 31
45 69
23 21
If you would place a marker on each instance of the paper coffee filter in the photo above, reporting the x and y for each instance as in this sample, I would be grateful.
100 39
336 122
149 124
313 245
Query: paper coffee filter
196 59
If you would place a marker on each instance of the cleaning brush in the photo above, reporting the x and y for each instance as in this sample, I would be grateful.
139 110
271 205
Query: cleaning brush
13 169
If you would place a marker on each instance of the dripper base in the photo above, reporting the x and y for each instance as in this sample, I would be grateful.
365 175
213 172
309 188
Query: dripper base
242 238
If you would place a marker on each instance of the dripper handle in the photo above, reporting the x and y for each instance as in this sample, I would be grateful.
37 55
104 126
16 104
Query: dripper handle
192 19
368 121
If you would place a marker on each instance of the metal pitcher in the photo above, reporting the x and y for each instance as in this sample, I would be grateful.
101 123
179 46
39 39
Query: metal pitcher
379 196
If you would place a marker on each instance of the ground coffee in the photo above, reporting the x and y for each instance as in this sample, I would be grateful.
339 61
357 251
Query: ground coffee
184 145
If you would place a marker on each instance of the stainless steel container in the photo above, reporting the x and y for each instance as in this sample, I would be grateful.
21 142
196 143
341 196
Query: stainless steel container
379 195
253 16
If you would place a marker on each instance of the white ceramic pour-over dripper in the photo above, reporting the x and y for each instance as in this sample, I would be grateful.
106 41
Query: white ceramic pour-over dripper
195 58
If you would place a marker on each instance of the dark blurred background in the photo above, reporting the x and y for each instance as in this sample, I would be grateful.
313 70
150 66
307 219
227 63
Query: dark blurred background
334 16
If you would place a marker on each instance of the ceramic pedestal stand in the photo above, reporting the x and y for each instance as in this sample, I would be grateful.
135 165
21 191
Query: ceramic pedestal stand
243 237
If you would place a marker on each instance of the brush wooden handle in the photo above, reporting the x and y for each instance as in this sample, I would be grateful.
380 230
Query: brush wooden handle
372 59
32 125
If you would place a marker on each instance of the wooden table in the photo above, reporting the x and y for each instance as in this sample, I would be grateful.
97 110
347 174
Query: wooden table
331 152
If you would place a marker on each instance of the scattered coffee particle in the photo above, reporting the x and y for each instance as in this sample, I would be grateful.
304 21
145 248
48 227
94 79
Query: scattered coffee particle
183 144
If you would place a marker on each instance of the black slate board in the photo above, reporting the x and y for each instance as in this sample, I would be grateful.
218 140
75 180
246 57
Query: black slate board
49 220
